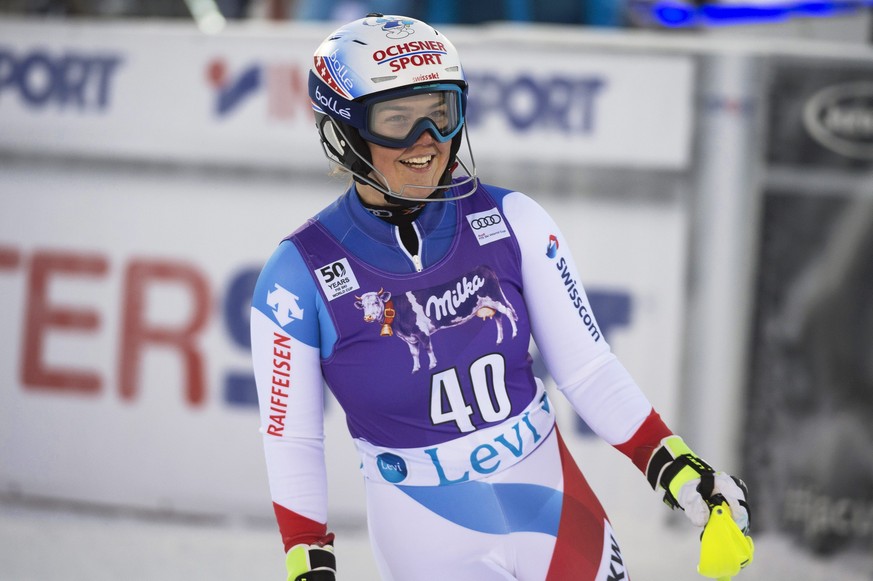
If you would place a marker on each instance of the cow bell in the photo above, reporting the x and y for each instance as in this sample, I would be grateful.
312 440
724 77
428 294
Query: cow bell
386 331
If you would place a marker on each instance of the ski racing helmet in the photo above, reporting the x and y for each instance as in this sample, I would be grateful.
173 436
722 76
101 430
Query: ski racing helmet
369 65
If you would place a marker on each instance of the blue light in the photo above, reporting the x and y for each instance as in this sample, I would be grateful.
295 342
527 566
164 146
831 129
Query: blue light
721 14
673 15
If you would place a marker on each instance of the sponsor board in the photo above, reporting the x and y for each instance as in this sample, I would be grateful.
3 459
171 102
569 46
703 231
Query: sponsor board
242 98
821 115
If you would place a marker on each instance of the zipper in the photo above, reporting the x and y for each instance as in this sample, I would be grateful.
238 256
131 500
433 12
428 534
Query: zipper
415 259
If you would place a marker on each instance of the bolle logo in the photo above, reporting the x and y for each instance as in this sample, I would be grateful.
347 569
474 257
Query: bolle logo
335 74
341 73
332 104
284 305
392 467
485 221
840 118
552 248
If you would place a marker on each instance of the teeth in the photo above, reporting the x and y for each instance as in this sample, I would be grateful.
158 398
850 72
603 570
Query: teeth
418 160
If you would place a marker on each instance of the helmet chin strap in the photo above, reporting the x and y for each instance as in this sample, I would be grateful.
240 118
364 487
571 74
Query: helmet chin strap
411 202
399 198
445 184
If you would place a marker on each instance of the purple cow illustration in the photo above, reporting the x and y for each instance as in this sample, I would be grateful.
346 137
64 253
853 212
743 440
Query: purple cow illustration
415 316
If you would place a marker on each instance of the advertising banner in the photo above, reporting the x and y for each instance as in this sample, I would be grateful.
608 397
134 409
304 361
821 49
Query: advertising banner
810 403
170 93
821 115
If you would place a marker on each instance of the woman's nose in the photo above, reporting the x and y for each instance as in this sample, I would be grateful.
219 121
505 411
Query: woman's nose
426 138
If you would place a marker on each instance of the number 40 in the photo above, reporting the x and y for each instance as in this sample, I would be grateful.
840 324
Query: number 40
488 376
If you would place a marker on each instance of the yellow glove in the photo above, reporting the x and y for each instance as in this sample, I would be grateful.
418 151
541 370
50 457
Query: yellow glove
311 563
691 484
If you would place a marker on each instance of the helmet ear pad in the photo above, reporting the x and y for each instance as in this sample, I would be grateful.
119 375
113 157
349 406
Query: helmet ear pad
333 141
345 143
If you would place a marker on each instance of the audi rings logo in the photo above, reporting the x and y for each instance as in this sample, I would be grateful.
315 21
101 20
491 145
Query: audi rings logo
488 226
485 221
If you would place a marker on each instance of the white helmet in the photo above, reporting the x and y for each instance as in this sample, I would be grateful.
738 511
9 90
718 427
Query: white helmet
367 65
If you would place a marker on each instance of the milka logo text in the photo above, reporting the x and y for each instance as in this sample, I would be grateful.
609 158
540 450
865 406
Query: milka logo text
441 306
486 458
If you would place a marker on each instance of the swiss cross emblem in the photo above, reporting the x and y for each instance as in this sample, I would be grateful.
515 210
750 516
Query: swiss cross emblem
327 77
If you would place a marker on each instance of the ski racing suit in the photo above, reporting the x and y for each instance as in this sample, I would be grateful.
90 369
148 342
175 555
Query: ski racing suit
466 474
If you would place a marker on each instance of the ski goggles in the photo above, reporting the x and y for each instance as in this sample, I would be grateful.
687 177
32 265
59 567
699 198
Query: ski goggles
395 118
398 118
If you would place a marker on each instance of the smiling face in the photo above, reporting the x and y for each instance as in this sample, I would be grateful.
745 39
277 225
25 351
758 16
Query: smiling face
422 163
